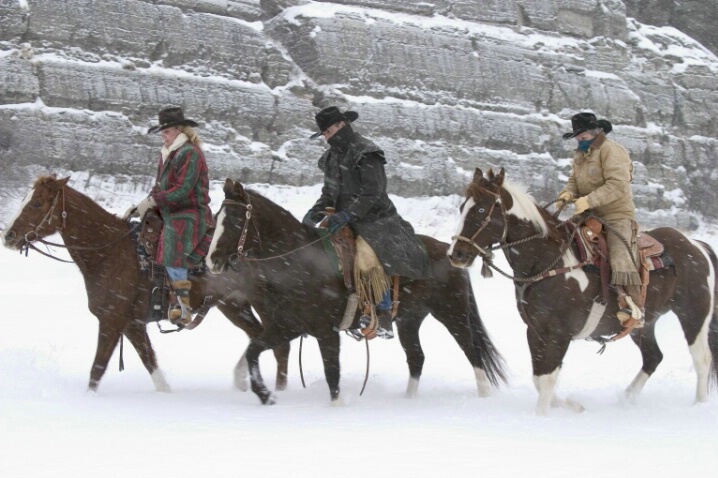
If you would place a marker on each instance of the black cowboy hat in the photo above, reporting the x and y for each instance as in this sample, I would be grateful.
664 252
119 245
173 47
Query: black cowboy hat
329 116
581 122
170 116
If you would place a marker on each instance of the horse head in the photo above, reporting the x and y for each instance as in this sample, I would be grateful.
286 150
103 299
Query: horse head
483 219
41 213
233 220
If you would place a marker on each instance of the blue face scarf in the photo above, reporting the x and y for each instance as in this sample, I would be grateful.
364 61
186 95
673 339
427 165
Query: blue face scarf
584 145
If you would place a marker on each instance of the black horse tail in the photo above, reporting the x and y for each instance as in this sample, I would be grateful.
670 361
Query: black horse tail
489 358
713 327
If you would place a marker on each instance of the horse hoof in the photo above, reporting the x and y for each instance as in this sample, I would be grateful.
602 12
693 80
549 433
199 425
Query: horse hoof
337 402
270 399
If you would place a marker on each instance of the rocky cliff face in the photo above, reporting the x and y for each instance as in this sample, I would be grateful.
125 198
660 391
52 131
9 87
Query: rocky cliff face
444 87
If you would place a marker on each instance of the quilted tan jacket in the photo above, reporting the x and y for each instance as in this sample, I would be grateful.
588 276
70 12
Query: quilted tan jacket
604 175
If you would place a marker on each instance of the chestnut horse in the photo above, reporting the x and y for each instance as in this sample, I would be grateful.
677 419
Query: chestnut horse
118 292
295 283
556 309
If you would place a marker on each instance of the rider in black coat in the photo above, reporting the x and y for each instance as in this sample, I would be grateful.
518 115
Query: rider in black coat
355 185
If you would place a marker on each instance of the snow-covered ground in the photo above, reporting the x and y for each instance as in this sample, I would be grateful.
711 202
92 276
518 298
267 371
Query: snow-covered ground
50 425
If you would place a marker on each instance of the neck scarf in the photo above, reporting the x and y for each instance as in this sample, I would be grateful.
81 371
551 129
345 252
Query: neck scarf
584 145
179 141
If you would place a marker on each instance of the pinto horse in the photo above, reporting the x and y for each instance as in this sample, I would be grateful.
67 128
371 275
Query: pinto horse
295 283
556 309
118 292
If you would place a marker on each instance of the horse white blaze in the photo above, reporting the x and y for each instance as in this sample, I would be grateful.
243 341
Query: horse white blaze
219 230
11 223
470 203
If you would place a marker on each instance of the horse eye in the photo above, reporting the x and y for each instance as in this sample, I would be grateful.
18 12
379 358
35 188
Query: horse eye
482 210
36 204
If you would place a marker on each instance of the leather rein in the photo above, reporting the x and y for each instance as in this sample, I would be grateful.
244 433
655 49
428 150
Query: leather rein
487 254
241 254
33 236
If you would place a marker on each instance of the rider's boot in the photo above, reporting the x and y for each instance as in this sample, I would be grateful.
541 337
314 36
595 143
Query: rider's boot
181 312
632 314
385 330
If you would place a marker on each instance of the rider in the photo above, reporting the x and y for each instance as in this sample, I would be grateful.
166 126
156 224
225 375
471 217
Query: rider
601 181
181 195
355 186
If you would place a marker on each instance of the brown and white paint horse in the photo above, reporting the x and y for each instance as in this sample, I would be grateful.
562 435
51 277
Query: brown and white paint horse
118 292
556 309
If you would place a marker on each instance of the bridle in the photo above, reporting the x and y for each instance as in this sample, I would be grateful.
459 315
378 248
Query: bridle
33 236
487 254
240 254
48 218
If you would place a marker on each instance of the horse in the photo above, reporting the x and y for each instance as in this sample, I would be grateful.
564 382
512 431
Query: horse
556 308
118 292
296 283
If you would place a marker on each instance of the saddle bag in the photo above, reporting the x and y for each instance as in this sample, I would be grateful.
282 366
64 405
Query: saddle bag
150 234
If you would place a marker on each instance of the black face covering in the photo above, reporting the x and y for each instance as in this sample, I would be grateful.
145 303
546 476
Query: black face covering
341 138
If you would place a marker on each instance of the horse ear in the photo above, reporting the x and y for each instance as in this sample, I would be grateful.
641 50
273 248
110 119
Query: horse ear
62 182
478 175
228 186
500 177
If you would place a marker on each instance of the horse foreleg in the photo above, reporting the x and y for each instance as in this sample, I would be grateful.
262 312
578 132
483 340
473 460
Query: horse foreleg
329 348
408 329
106 342
255 348
241 372
547 353
136 332
281 354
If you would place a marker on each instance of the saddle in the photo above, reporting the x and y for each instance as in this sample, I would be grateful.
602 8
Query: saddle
593 249
145 236
363 277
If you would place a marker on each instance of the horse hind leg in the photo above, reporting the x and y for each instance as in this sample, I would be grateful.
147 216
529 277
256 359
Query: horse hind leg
702 362
408 329
106 342
136 332
651 355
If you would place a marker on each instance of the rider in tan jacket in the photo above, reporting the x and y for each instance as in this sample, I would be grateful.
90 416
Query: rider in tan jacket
601 181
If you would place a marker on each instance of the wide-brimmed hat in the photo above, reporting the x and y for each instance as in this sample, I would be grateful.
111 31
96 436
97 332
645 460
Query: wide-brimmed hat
581 122
170 116
329 116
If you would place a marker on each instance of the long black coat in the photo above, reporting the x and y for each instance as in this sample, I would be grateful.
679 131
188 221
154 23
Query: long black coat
355 182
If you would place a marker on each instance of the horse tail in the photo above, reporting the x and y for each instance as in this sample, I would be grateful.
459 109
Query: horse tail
487 355
713 327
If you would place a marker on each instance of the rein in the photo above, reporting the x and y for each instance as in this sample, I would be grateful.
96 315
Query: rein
30 240
241 254
488 256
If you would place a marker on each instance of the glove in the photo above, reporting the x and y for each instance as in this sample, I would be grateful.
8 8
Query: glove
337 221
312 217
144 205
564 198
581 205
131 212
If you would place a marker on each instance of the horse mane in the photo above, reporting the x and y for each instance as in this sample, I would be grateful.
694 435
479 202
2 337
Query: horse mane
257 195
525 207
44 180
